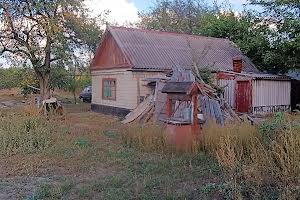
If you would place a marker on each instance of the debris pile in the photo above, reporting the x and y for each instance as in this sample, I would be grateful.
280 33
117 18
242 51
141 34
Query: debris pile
210 105
143 113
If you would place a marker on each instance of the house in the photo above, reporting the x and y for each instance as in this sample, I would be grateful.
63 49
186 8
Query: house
256 93
128 56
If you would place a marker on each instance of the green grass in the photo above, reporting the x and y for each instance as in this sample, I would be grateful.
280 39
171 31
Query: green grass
146 176
94 162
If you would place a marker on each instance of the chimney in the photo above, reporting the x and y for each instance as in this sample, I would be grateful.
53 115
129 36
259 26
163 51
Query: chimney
237 64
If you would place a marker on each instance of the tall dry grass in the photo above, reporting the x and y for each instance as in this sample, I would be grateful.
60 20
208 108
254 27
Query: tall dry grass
258 161
155 137
149 137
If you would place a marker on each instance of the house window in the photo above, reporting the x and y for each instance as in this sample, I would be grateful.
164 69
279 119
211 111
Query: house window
109 88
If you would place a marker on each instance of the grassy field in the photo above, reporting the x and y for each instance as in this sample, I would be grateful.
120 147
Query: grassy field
85 157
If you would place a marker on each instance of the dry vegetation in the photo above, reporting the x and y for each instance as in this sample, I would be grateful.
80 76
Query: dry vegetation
259 162
91 156
86 156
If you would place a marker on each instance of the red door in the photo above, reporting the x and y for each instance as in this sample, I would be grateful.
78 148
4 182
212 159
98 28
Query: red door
243 96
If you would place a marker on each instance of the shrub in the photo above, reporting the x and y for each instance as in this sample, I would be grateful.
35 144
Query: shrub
255 168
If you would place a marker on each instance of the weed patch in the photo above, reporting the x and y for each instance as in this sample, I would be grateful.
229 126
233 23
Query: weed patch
82 142
48 191
24 134
147 138
258 162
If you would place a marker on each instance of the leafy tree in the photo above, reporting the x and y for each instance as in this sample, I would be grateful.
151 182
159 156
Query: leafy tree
59 77
174 15
270 39
244 30
10 78
45 32
284 18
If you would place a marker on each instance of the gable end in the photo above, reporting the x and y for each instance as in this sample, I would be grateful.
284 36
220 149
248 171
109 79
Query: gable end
109 55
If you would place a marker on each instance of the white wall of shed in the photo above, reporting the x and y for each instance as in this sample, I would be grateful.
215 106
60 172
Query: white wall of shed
270 94
129 85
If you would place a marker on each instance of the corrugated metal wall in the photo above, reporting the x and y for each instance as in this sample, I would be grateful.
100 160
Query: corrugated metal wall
271 96
229 93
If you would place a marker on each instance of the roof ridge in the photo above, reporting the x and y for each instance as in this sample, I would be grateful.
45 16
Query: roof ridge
166 32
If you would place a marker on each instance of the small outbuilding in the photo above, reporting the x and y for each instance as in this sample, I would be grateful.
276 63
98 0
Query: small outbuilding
256 92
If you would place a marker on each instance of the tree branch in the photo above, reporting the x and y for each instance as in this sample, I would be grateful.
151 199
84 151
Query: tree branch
15 51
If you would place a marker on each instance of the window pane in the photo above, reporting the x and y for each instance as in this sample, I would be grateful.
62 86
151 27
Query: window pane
109 89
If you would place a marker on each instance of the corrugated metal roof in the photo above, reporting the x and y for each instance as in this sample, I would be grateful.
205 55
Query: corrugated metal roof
259 76
270 76
156 50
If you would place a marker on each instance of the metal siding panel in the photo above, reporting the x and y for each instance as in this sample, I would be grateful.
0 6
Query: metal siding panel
271 96
229 93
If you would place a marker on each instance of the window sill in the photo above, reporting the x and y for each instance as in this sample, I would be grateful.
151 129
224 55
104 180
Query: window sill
108 99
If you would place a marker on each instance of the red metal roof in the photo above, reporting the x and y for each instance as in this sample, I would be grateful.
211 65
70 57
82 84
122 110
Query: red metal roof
159 51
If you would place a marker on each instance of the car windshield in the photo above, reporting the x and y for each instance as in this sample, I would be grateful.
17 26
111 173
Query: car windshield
88 89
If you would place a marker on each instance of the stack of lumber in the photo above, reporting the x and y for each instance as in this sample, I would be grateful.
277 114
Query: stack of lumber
143 113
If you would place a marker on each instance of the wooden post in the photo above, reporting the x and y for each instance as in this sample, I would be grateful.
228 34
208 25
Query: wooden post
138 91
169 107
195 123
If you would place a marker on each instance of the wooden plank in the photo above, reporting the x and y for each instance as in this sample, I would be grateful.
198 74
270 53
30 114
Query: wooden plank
180 97
139 110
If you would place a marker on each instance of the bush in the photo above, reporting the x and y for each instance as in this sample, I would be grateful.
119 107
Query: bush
255 168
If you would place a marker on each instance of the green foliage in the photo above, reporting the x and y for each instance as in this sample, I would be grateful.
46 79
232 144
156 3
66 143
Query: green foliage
59 78
270 128
284 53
17 77
206 75
63 26
250 37
272 43
175 16
29 79
10 78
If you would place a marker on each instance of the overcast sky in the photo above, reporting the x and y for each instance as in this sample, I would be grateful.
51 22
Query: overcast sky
124 11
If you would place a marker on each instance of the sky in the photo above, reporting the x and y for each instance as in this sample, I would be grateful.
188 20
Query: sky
126 11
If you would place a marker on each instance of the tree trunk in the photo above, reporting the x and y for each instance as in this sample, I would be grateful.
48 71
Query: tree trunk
44 86
74 95
44 75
